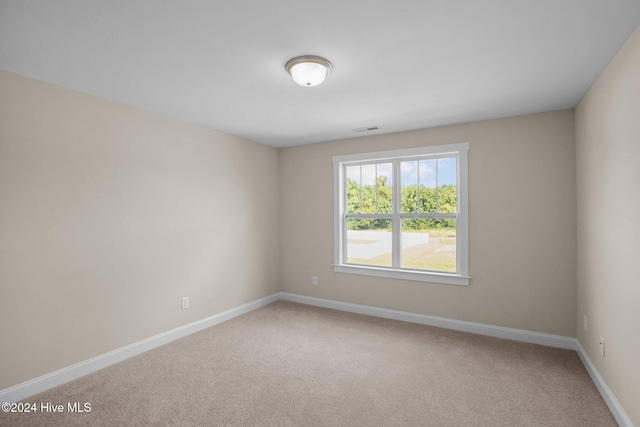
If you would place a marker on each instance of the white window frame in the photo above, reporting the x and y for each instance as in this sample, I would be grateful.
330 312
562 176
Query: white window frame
460 150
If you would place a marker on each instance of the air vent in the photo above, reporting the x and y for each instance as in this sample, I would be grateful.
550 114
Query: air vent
368 129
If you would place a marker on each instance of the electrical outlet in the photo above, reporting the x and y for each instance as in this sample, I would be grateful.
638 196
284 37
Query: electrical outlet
314 280
602 346
585 323
185 303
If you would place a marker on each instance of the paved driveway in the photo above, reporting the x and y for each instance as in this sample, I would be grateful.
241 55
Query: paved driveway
364 244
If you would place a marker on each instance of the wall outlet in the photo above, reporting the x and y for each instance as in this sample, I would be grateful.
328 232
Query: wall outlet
314 280
602 346
585 323
185 303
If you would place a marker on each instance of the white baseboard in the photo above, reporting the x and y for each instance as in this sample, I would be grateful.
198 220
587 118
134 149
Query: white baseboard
548 340
612 402
70 373
45 382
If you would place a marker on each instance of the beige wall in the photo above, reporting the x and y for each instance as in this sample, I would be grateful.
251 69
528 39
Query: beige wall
109 215
522 225
608 202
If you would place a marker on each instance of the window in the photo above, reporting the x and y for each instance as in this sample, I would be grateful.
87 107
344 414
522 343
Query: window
403 214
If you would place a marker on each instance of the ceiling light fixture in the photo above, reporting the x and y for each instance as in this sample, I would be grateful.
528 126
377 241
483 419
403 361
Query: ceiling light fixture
308 70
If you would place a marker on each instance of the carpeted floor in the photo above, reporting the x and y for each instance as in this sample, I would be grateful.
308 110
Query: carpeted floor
290 364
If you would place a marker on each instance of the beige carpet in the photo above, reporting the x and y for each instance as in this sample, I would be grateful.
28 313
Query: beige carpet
289 364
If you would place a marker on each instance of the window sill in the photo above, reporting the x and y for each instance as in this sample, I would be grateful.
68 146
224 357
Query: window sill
421 276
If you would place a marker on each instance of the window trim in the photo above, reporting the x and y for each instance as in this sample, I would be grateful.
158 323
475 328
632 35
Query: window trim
462 233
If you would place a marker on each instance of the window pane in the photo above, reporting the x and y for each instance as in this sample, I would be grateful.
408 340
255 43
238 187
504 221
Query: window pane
385 184
447 180
409 186
368 188
353 189
369 241
429 244
427 173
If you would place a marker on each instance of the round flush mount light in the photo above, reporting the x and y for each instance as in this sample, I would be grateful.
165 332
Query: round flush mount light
308 70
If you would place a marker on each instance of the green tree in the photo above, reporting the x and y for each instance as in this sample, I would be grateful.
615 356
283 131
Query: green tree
363 199
446 203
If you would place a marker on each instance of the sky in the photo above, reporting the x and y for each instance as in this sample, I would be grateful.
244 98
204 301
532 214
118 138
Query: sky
411 172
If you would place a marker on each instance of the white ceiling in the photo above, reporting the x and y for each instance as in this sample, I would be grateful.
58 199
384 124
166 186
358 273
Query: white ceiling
398 65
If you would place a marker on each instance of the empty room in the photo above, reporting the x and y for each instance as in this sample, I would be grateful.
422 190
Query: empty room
297 213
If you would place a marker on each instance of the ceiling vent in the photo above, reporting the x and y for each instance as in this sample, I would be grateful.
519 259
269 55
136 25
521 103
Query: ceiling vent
368 129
